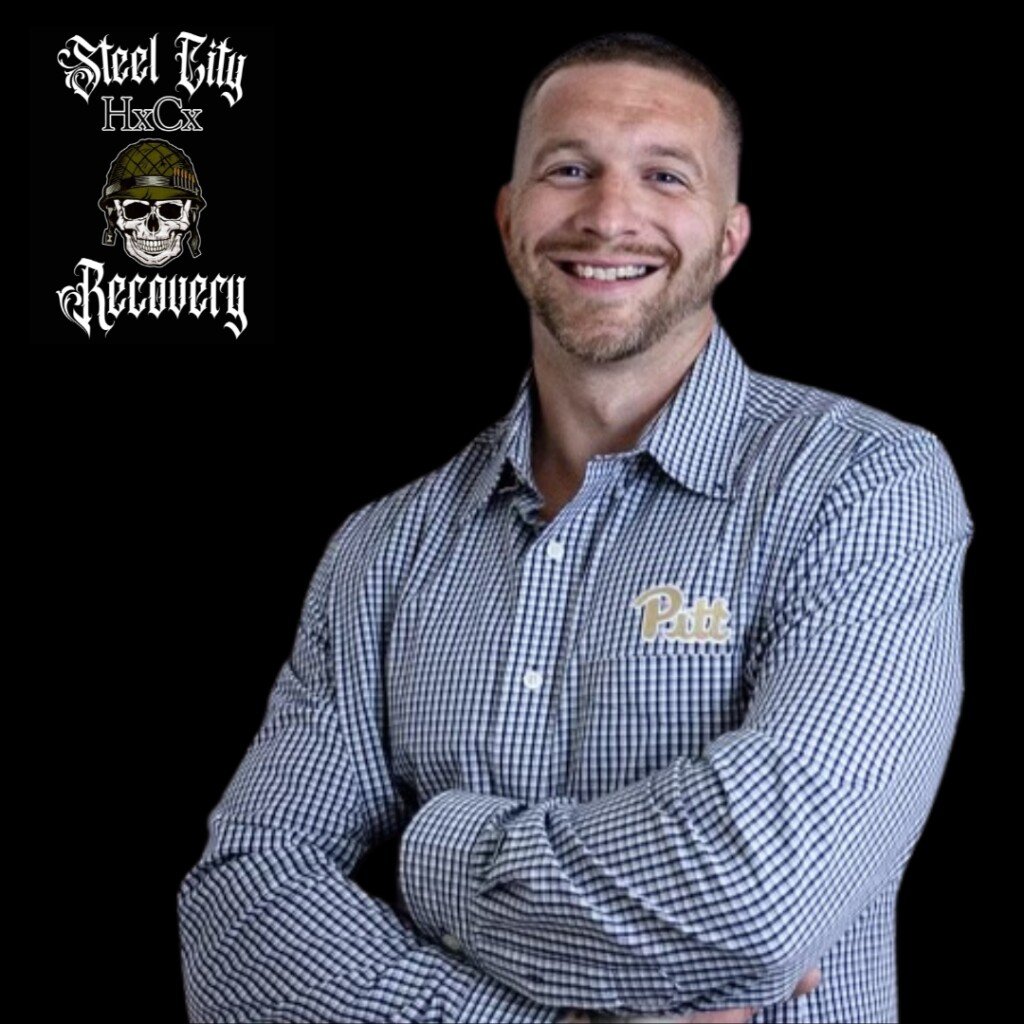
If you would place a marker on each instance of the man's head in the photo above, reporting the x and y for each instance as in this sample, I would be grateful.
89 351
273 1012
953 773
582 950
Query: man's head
653 52
627 157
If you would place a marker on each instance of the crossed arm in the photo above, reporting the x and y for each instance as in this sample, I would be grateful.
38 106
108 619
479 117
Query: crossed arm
272 926
716 882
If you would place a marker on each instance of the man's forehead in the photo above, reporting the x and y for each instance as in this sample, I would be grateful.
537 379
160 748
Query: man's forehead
624 93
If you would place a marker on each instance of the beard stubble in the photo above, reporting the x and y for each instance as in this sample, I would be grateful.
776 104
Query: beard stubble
653 319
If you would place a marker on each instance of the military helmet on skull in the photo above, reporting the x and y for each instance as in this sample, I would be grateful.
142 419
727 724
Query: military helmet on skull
149 173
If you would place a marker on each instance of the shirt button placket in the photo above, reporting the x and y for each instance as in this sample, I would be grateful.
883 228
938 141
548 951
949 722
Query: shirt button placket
522 715
555 552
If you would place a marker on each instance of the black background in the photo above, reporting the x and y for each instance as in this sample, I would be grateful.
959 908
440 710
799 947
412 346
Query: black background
179 500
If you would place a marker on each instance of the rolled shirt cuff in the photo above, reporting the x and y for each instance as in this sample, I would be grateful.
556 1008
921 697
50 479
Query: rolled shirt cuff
443 858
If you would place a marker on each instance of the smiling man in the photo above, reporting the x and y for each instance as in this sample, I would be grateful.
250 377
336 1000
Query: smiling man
619 221
640 156
655 681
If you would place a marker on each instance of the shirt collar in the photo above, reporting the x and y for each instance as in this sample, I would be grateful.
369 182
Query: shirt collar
692 437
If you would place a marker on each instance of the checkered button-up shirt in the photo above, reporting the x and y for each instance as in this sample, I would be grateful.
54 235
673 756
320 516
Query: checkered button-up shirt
665 752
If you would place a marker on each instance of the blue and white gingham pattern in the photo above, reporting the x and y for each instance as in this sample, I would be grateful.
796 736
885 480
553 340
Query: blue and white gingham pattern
592 818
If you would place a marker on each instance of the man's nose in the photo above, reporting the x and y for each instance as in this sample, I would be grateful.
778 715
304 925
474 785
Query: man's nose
609 207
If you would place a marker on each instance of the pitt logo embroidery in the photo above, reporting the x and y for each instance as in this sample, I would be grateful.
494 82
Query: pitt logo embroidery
705 621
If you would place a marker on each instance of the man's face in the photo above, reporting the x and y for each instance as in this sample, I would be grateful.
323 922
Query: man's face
619 220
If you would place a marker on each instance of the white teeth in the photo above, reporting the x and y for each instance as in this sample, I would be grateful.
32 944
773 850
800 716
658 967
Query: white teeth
609 273
153 245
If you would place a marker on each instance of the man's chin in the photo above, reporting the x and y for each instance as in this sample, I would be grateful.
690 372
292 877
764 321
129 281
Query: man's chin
592 335
600 348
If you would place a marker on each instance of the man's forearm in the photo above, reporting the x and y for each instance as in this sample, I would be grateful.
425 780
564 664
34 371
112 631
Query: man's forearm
273 926
310 946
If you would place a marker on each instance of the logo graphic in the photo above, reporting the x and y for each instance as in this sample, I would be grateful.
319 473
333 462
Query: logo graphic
705 621
152 198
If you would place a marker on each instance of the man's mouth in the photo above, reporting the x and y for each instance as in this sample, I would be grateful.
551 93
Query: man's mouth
603 276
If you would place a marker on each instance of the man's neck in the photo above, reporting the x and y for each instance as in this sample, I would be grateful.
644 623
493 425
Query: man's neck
586 409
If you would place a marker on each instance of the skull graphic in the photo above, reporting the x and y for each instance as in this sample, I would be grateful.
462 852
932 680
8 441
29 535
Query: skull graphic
152 197
153 231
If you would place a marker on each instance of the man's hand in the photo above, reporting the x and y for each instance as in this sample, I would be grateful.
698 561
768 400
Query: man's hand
740 1015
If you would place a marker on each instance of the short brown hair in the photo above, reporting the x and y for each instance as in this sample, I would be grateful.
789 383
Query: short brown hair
654 52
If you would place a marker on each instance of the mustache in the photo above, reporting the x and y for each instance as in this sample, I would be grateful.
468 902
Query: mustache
588 247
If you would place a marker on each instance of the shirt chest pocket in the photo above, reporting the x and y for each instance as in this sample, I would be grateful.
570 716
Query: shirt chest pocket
639 711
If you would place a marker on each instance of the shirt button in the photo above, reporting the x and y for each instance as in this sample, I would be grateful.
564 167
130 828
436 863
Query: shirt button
449 941
532 680
556 550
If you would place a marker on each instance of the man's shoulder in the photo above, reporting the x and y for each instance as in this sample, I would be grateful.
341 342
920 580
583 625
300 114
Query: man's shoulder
390 529
817 425
781 403
824 441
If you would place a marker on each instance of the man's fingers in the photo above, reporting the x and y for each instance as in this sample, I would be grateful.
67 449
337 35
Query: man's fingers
739 1015
808 983
735 1015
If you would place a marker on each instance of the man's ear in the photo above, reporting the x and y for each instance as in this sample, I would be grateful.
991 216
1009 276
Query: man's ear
503 213
734 238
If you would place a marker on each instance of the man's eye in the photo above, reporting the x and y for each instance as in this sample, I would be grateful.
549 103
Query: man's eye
565 172
674 179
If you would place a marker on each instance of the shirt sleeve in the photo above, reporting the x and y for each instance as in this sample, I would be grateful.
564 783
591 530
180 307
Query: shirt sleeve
271 926
719 880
